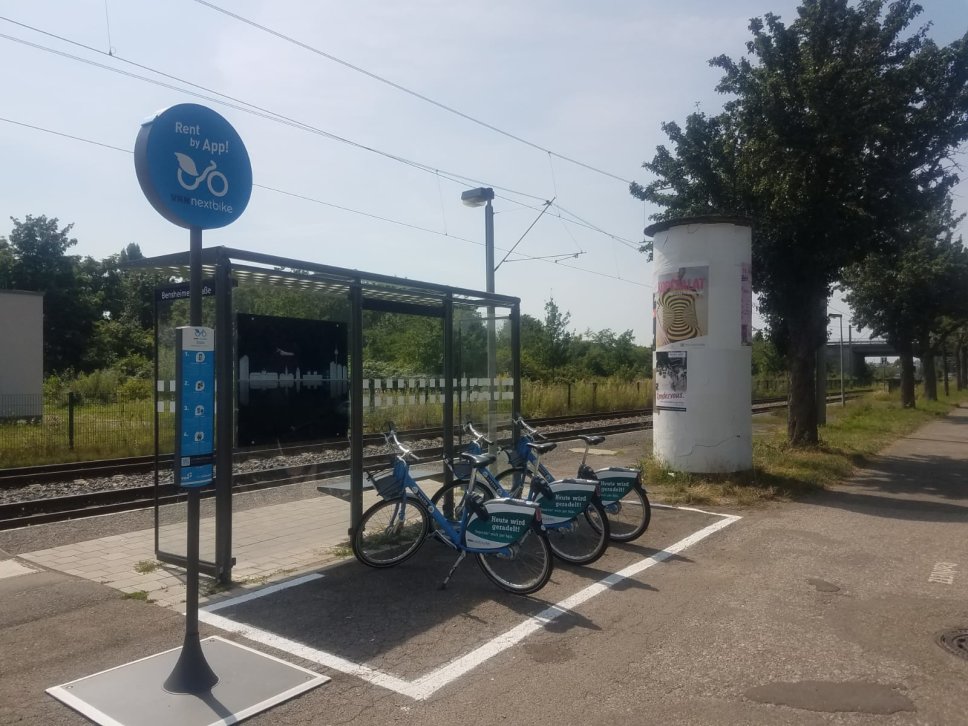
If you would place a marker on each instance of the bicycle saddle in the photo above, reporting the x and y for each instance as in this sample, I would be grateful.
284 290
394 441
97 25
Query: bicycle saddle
478 461
542 448
592 440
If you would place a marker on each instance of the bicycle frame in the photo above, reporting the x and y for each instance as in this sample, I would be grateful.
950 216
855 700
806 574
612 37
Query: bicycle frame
454 537
534 490
614 482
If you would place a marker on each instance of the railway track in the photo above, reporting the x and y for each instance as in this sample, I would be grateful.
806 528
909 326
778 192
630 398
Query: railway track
51 509
15 477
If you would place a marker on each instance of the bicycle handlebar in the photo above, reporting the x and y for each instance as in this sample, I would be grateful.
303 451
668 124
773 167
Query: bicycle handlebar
390 437
530 430
478 436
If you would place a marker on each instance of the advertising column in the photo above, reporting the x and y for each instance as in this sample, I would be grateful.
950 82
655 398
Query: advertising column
702 315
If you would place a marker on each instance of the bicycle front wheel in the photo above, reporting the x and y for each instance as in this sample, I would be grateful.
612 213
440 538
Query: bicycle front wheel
582 540
390 532
629 517
512 481
525 568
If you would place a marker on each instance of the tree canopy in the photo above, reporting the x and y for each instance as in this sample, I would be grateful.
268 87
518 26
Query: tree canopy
99 315
835 142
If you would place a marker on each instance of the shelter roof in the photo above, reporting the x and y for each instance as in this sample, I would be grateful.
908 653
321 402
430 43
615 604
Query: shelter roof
259 268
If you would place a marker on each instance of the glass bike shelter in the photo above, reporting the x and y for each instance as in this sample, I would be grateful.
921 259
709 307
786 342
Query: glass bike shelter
472 356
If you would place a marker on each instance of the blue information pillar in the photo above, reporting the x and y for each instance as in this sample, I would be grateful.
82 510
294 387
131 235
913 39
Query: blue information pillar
195 425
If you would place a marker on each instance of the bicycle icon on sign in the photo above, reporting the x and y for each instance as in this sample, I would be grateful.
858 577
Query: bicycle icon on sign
186 165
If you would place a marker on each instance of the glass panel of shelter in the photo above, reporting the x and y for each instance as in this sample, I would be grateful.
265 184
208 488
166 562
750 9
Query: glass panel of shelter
484 387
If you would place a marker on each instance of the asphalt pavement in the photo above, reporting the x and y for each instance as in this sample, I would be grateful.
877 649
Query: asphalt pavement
822 611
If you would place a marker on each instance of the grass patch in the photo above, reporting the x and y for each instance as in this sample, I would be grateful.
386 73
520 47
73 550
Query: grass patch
136 595
145 566
343 549
781 472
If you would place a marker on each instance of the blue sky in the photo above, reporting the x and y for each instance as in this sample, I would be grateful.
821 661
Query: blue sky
590 81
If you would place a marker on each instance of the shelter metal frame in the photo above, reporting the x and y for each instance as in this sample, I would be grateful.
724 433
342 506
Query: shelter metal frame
365 291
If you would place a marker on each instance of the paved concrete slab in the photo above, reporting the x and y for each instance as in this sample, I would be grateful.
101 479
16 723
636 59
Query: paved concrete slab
849 587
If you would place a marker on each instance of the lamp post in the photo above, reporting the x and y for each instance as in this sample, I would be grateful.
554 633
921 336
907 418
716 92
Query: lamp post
843 399
481 197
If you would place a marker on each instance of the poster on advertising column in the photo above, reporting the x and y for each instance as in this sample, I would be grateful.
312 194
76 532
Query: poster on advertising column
746 304
682 307
671 382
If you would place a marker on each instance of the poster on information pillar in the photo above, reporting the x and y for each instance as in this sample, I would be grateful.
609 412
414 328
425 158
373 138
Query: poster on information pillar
682 307
671 382
746 304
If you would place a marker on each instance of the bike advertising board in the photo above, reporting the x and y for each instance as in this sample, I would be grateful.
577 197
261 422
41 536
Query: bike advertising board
507 521
615 482
193 167
571 498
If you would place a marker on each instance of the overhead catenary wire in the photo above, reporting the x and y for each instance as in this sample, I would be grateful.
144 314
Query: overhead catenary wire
307 198
265 113
524 234
404 89
236 103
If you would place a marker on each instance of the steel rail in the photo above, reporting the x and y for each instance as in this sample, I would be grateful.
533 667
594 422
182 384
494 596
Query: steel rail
53 509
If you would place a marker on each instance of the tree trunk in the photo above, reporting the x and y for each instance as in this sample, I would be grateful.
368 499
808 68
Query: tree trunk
930 376
962 367
802 357
907 377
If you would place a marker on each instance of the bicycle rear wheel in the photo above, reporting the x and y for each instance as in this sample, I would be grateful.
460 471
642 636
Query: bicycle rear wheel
525 569
390 532
584 539
629 517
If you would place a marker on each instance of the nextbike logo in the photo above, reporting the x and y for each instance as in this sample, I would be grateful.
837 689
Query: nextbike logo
193 167
218 185
201 333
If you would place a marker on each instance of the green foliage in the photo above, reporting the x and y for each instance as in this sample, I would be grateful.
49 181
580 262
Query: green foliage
100 385
767 360
35 260
832 141
911 294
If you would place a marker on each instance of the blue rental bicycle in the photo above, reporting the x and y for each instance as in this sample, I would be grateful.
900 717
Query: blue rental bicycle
623 495
505 535
572 512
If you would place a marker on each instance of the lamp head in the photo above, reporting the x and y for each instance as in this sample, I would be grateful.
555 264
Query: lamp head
477 197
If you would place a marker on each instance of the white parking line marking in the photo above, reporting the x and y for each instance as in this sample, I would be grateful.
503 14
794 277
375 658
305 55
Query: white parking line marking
426 685
278 587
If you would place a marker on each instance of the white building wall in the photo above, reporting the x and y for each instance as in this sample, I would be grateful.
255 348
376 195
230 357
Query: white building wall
21 354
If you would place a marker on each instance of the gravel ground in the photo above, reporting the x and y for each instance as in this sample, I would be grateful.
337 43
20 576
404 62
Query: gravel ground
32 492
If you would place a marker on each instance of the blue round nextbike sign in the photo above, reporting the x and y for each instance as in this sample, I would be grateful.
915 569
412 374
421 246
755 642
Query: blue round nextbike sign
193 167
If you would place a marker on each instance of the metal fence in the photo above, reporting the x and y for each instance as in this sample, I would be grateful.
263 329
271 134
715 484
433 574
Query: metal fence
38 429
35 428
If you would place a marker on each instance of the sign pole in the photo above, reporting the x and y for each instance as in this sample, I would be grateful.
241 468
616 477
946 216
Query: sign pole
195 171
195 275
192 673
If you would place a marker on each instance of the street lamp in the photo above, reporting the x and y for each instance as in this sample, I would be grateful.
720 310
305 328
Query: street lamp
843 399
479 197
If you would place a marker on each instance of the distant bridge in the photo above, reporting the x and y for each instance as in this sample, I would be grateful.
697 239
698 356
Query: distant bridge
855 351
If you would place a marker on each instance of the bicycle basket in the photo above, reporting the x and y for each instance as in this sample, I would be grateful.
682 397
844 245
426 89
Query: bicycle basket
387 485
